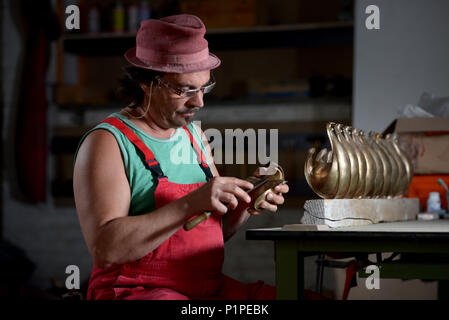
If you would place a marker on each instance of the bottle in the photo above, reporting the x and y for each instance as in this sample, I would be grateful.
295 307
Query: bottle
119 17
133 18
94 20
145 11
434 202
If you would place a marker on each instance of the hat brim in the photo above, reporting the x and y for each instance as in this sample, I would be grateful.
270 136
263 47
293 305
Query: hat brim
211 63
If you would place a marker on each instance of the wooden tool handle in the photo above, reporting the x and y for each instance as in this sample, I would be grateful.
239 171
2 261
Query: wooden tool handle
196 221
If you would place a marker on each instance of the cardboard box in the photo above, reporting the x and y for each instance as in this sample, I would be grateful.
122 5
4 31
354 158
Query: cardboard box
407 125
426 141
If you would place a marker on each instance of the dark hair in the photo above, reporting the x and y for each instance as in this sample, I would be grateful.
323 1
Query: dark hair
129 89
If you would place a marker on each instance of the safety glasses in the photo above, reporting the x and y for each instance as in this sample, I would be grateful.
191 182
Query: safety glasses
187 93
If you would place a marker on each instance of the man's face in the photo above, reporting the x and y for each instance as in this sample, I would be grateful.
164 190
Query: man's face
170 110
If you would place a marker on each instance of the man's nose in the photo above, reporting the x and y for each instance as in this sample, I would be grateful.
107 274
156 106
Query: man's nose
197 99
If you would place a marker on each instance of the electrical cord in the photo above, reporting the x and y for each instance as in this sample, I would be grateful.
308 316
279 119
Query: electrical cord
336 220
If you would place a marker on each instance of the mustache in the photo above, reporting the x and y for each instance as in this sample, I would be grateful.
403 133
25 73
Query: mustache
194 110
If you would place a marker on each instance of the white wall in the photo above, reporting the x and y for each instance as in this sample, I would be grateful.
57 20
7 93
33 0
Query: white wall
394 65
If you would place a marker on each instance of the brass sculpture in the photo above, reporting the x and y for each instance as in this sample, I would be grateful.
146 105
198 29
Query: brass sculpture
358 165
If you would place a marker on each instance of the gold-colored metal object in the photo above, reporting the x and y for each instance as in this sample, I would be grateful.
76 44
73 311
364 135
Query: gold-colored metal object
344 165
361 162
262 187
379 178
408 166
358 165
387 170
321 168
260 194
402 177
367 166
353 162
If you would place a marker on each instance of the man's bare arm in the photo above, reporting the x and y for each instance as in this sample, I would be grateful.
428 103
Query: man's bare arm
102 197
234 219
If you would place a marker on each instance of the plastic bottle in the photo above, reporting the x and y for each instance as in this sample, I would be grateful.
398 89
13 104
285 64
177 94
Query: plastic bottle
133 18
145 11
94 20
433 202
119 17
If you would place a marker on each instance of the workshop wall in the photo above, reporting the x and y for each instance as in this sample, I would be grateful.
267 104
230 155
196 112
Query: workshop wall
49 236
393 66
397 63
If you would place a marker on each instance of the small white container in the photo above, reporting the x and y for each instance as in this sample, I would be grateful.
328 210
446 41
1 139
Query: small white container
433 202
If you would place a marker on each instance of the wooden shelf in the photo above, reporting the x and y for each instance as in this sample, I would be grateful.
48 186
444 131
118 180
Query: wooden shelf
292 35
68 132
284 27
255 29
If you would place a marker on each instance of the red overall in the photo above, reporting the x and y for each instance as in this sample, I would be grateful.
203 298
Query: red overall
188 265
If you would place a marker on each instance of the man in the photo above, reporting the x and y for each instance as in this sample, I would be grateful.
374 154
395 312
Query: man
132 198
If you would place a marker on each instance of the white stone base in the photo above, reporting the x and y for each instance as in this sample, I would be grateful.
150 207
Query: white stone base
356 212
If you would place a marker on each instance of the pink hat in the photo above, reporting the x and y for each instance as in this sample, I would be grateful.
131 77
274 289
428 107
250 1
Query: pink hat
172 44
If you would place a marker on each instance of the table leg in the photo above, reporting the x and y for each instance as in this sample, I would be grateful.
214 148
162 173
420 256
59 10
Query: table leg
443 290
289 271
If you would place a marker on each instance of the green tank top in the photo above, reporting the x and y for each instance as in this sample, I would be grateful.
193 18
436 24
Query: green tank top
175 155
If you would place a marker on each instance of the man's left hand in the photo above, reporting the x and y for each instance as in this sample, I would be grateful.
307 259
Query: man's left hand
273 199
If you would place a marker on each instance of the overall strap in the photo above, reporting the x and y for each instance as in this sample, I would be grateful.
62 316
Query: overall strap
149 160
201 157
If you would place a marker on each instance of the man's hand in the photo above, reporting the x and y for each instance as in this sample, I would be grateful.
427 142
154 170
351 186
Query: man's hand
219 194
273 198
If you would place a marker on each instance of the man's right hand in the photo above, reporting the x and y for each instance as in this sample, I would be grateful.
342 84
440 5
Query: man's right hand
219 194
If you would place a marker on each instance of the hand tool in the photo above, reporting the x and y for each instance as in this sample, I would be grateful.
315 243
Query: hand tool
255 193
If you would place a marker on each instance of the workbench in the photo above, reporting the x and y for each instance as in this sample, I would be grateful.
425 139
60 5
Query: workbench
420 239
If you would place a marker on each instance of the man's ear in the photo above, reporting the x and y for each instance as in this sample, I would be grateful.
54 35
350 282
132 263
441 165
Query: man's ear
145 87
